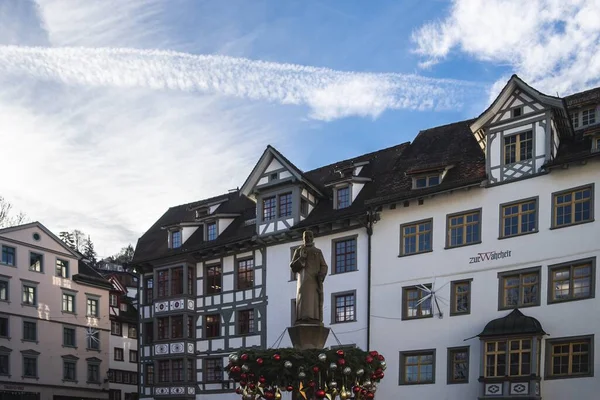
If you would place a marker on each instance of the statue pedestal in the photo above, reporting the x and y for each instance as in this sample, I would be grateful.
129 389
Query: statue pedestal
305 337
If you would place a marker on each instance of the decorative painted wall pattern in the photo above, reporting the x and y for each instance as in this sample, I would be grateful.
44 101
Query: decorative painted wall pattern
161 391
161 349
161 306
178 390
519 388
190 304
177 348
177 305
190 348
493 389
191 390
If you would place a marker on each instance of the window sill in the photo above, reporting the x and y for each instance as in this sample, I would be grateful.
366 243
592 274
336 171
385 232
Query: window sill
414 254
69 381
461 245
37 378
28 305
92 383
96 350
342 273
457 383
553 227
8 265
118 360
459 314
5 337
502 308
518 235
5 301
552 378
417 383
68 312
416 318
7 375
342 322
570 300
37 272
69 347
29 341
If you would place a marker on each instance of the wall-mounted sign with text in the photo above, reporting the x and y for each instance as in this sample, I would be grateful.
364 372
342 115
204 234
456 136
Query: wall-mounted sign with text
490 256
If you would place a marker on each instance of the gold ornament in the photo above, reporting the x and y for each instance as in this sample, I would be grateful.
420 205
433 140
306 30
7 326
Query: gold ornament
277 394
344 394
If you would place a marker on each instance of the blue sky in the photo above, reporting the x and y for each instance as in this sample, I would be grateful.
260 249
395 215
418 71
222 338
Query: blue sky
113 111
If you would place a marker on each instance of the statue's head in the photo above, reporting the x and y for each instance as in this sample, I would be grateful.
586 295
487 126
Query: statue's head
308 237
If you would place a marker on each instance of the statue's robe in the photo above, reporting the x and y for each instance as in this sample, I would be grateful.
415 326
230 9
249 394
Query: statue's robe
311 269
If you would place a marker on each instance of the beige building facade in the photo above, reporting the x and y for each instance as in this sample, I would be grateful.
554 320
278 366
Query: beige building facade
54 320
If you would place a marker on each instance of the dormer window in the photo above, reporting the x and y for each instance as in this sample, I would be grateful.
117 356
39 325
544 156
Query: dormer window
588 117
175 239
342 197
517 112
426 181
285 205
303 207
269 208
518 147
211 231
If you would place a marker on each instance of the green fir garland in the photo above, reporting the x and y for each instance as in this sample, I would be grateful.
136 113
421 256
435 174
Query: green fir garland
264 374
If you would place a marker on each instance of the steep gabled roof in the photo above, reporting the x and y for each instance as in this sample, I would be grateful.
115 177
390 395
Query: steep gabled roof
40 226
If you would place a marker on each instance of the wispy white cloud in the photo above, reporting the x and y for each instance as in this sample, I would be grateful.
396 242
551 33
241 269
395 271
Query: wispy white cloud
553 44
330 94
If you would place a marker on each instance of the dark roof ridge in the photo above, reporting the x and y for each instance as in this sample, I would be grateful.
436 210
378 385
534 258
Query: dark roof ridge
586 91
446 125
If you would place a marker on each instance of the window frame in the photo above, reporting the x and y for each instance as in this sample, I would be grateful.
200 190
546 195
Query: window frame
135 358
66 296
269 203
334 254
417 234
29 285
116 332
172 235
450 367
575 120
63 266
250 322
73 329
571 265
212 231
453 297
149 375
334 307
118 351
427 178
207 267
132 328
463 226
90 304
287 205
589 111
41 260
30 356
520 272
93 342
591 187
7 318
91 366
550 343
248 270
337 197
218 364
149 289
217 329
177 279
520 202
6 283
518 144
404 354
14 256
405 289
5 355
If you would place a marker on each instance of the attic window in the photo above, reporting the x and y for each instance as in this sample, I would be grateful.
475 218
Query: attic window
426 181
211 231
342 197
123 307
201 213
273 176
588 117
517 112
575 119
175 239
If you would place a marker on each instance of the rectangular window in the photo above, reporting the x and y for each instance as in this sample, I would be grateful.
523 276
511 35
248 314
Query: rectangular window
213 370
134 381
126 377
148 332
572 207
416 303
191 274
177 370
245 320
30 331
163 328
118 376
214 279
30 367
163 283
132 332
113 300
211 231
4 290
588 117
68 337
517 112
177 327
29 295
149 374
4 364
417 367
118 353
36 262
8 255
345 307
92 308
512 358
93 340
304 207
572 281
190 371
570 357
519 288
416 237
4 332
464 228
518 218
164 371
175 239
149 290
123 307
460 298
342 197
212 325
344 255
62 268
518 147
93 374
177 281
68 303
575 119
69 368
458 365
116 328
133 356
245 274
269 208
285 205
426 181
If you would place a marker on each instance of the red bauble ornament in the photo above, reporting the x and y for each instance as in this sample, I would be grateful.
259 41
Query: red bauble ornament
276 357
243 383
320 394
262 380
252 386
340 353
369 359
269 395
356 389
239 390
235 369
378 371
363 392
312 384
316 369
370 395
380 375
381 357
290 388
244 357
341 362
373 353
259 361
373 377
251 375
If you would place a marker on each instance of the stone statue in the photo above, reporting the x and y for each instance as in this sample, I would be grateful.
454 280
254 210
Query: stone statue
310 266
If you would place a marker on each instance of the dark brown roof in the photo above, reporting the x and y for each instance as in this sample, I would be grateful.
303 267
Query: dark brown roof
514 323
581 99
88 275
